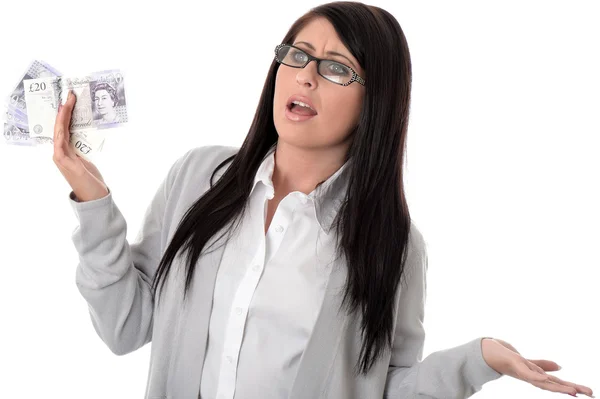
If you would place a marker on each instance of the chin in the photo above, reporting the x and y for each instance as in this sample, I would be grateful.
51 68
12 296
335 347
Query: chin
297 137
290 129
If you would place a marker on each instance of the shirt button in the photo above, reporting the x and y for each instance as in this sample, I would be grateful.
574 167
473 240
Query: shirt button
256 268
238 311
279 229
229 359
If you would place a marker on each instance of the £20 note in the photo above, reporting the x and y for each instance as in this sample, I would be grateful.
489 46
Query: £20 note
100 105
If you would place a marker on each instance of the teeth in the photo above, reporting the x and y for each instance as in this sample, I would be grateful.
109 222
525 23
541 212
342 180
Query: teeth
300 103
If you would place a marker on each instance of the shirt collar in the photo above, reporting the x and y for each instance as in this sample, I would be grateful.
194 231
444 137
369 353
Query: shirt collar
326 198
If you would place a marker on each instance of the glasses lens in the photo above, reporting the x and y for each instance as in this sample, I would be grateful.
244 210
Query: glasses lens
292 56
335 72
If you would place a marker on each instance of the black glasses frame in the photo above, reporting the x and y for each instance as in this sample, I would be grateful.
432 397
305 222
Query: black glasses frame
355 77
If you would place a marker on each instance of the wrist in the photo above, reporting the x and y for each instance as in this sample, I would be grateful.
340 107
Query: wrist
85 197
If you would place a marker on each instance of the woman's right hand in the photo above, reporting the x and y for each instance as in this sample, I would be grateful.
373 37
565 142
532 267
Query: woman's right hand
83 176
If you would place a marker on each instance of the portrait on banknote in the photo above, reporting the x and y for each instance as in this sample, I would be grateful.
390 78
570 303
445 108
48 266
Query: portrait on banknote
108 99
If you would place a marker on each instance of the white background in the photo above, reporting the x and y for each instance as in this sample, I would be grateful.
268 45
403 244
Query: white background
502 169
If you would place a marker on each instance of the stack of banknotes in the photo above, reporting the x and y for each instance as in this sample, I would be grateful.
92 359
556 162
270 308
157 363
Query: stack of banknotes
32 106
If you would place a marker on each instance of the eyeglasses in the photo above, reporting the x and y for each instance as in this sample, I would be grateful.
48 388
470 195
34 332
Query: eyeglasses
333 71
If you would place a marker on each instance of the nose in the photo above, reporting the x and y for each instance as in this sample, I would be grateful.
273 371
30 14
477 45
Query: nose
307 76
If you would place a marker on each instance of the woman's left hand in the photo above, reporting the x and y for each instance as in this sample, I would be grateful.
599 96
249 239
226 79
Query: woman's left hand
505 359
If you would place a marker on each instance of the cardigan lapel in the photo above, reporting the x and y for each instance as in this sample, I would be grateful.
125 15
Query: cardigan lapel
324 340
192 335
190 347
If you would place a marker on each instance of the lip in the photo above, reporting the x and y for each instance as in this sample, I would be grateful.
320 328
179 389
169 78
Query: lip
295 117
304 99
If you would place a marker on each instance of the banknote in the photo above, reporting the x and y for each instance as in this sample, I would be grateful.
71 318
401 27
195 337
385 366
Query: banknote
87 143
42 98
101 104
16 118
31 108
20 136
37 69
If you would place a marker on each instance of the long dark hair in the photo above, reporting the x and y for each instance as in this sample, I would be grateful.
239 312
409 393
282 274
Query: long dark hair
373 222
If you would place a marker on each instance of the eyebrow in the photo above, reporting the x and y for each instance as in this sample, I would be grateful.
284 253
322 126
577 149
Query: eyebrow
310 46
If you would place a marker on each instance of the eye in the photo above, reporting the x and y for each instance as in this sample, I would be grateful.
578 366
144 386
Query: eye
298 56
338 69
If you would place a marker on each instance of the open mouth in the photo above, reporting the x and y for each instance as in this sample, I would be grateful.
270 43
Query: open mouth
300 108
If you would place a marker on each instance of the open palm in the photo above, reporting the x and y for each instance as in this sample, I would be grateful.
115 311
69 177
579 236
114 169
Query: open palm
505 359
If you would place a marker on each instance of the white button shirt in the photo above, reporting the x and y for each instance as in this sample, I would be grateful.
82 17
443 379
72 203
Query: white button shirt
269 289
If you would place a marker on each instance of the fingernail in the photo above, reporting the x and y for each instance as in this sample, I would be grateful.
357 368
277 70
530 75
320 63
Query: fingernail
65 98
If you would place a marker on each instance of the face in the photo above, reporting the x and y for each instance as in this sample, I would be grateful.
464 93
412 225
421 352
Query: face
104 102
337 107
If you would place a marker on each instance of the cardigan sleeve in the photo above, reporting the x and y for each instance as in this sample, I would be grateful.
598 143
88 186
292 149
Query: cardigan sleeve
115 277
453 373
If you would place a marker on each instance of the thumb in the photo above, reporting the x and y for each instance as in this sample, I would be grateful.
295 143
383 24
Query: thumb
547 365
507 345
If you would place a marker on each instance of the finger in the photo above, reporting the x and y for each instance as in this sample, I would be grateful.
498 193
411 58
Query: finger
62 169
66 145
535 367
580 388
61 144
56 124
58 132
555 387
506 344
529 373
555 384
60 151
56 140
64 122
92 168
547 365
64 117
66 165
87 163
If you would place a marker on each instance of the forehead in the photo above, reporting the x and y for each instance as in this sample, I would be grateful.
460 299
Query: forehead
321 33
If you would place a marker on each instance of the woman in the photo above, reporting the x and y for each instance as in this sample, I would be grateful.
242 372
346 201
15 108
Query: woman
289 267
105 100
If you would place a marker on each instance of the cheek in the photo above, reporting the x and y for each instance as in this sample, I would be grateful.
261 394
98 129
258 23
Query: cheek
280 89
343 110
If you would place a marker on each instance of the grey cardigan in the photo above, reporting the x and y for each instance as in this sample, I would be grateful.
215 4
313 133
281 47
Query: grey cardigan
114 277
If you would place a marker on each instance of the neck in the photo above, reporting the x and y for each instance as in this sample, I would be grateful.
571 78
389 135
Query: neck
109 116
302 169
